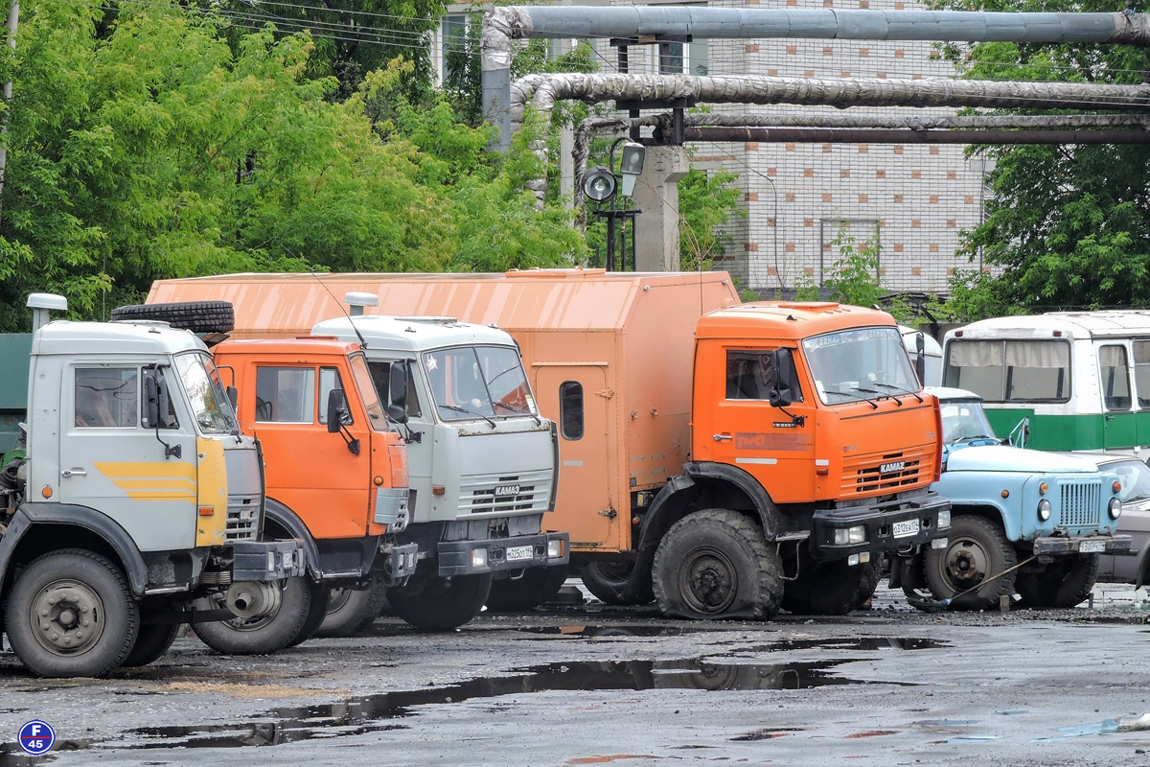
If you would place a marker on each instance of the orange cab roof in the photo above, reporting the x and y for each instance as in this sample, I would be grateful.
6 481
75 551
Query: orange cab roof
788 319
304 345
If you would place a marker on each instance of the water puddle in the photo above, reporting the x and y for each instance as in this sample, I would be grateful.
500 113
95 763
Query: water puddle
603 632
854 643
388 711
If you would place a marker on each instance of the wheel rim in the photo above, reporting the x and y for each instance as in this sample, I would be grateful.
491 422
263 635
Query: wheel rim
68 616
250 624
338 600
966 564
708 581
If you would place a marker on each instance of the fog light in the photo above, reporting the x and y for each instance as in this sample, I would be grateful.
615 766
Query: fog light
479 557
555 548
271 561
850 535
1044 510
852 560
944 519
864 557
939 543
1114 508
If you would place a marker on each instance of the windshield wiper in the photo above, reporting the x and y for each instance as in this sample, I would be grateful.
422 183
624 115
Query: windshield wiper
517 411
868 400
469 412
900 390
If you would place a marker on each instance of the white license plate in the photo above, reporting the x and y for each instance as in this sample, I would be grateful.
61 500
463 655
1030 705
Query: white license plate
903 529
1092 547
516 553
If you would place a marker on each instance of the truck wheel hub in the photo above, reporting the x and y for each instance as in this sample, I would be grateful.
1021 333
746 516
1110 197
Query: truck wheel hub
68 616
710 581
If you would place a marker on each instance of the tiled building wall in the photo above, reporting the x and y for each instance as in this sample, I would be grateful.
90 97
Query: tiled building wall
796 196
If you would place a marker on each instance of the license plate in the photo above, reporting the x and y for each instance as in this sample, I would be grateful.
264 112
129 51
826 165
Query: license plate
517 553
1092 547
903 529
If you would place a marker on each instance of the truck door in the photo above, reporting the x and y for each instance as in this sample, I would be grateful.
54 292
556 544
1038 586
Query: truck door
576 397
738 426
309 469
110 463
1119 425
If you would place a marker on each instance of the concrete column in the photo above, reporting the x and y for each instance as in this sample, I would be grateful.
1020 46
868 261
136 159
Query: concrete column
657 195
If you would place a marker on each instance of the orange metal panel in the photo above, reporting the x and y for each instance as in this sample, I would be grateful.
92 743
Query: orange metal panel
627 337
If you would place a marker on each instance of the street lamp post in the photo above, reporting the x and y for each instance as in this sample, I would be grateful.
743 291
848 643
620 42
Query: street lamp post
601 185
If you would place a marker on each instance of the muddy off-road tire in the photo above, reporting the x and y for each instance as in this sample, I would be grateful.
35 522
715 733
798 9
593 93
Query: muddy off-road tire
607 580
1065 582
976 551
196 316
826 588
537 586
440 604
71 613
154 640
350 611
715 563
259 636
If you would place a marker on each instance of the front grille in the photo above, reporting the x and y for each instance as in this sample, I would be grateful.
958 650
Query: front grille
886 472
504 494
1081 503
239 507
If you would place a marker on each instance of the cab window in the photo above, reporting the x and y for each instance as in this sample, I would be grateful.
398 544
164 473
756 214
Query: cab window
285 395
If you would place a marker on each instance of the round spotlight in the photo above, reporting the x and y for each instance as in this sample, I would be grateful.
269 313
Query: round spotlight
1044 508
599 184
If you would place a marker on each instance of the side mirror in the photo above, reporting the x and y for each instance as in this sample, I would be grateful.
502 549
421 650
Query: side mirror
233 397
151 400
920 357
156 406
397 384
336 408
783 381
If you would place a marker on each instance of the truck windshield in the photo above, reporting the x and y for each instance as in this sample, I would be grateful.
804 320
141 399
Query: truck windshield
964 420
478 381
860 364
210 405
367 393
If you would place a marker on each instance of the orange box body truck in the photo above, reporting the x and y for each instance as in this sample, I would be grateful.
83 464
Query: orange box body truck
726 459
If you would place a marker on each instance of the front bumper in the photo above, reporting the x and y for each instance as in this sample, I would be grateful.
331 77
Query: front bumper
889 526
497 554
398 560
1091 544
268 560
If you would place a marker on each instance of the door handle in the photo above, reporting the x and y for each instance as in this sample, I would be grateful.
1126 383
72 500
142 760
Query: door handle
73 473
721 437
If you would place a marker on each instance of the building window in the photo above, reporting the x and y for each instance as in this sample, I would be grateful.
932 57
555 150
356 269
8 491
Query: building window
571 409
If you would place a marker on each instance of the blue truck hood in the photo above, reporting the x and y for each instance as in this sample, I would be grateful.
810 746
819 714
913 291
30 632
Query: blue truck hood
1013 459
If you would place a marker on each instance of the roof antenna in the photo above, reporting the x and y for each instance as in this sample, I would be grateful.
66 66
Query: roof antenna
362 300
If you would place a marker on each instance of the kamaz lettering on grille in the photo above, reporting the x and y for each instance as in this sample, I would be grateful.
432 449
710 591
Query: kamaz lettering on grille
507 490
887 468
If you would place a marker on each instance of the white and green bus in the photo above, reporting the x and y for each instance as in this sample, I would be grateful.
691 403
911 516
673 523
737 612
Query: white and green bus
1061 380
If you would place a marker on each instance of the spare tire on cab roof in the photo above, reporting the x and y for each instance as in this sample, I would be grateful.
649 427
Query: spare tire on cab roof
196 316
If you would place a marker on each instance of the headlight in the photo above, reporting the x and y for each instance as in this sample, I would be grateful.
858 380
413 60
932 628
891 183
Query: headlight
850 535
943 519
555 548
1044 510
1114 508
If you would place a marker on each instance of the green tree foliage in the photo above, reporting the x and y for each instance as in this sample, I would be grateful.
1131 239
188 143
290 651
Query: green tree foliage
1067 227
149 149
707 203
351 38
